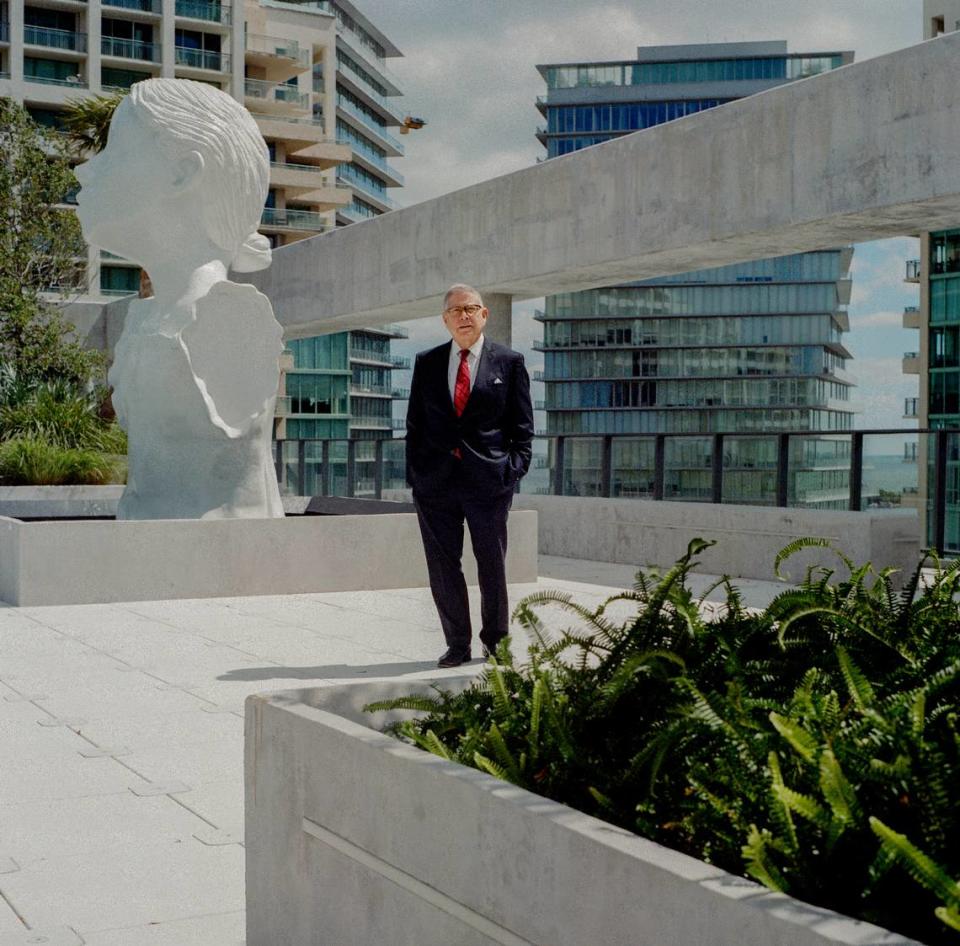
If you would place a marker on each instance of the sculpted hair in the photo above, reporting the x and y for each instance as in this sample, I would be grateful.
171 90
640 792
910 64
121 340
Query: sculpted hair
187 116
460 287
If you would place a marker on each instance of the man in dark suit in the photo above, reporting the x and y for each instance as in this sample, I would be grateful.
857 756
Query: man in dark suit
469 435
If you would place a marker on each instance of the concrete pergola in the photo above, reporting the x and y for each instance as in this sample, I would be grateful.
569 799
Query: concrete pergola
867 151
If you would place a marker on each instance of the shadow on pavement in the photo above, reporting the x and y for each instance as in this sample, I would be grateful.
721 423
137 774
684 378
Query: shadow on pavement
330 672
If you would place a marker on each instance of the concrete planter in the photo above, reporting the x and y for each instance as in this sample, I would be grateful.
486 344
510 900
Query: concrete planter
92 561
353 837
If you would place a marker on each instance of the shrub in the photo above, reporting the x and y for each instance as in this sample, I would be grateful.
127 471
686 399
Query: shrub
813 745
35 462
57 412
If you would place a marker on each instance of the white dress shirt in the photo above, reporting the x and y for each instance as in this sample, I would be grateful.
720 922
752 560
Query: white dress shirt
473 360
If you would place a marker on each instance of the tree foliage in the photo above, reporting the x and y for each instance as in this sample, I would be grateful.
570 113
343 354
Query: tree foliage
41 250
813 745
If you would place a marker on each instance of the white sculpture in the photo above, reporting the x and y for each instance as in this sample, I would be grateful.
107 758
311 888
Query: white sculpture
180 189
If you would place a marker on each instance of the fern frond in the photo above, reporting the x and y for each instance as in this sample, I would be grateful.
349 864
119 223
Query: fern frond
861 692
420 704
923 869
758 862
802 742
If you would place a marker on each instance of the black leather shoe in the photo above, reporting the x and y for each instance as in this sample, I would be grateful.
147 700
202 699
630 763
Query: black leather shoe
454 657
490 649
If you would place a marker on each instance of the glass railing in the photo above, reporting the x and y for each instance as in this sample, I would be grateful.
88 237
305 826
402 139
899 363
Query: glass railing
296 119
295 219
367 56
289 165
366 354
843 471
363 83
198 10
911 406
145 6
371 156
368 122
70 81
276 92
275 46
129 49
202 59
358 183
400 361
376 389
913 271
4 31
55 39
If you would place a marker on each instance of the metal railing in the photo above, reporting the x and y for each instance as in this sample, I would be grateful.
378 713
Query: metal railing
911 406
129 49
55 39
714 468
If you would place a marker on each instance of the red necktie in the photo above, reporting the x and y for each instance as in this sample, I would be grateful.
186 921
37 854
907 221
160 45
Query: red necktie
461 390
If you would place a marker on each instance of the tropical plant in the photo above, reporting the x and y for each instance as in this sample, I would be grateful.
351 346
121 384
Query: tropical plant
86 121
781 743
40 253
35 462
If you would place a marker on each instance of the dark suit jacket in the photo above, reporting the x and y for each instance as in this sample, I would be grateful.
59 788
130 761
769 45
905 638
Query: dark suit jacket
494 434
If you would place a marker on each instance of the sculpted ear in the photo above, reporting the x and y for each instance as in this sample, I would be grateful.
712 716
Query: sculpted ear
188 171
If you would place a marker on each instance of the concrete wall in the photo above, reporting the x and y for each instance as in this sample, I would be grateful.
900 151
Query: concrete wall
76 562
354 838
859 153
641 532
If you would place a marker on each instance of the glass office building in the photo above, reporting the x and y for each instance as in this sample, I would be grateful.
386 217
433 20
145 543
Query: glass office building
756 347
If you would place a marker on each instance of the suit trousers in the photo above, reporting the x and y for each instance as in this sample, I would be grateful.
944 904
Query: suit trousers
441 520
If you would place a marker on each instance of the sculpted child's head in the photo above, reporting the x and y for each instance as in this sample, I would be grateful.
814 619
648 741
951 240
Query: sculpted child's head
182 148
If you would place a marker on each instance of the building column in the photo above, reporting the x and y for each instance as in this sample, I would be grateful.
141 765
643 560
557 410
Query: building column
499 327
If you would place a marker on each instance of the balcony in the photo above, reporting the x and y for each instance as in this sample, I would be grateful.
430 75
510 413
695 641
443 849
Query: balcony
911 362
208 12
371 127
142 6
910 408
208 60
370 390
400 362
303 221
55 39
118 48
279 58
367 58
71 82
274 96
366 190
368 159
360 86
4 31
371 355
372 423
911 317
912 271
400 394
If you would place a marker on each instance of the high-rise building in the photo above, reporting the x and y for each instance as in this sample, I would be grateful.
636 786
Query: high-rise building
747 348
340 386
937 317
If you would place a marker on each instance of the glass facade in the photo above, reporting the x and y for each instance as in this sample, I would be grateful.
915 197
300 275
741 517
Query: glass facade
944 372
598 75
755 347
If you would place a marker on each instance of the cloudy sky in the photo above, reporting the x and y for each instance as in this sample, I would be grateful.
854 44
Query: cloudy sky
469 70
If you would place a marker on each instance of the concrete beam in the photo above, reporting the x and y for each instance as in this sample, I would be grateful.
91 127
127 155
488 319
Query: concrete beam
867 151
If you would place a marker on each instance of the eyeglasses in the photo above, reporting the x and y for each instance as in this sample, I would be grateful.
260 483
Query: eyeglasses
458 310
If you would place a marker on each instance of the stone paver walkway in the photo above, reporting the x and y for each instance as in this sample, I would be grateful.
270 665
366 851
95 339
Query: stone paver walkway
121 739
